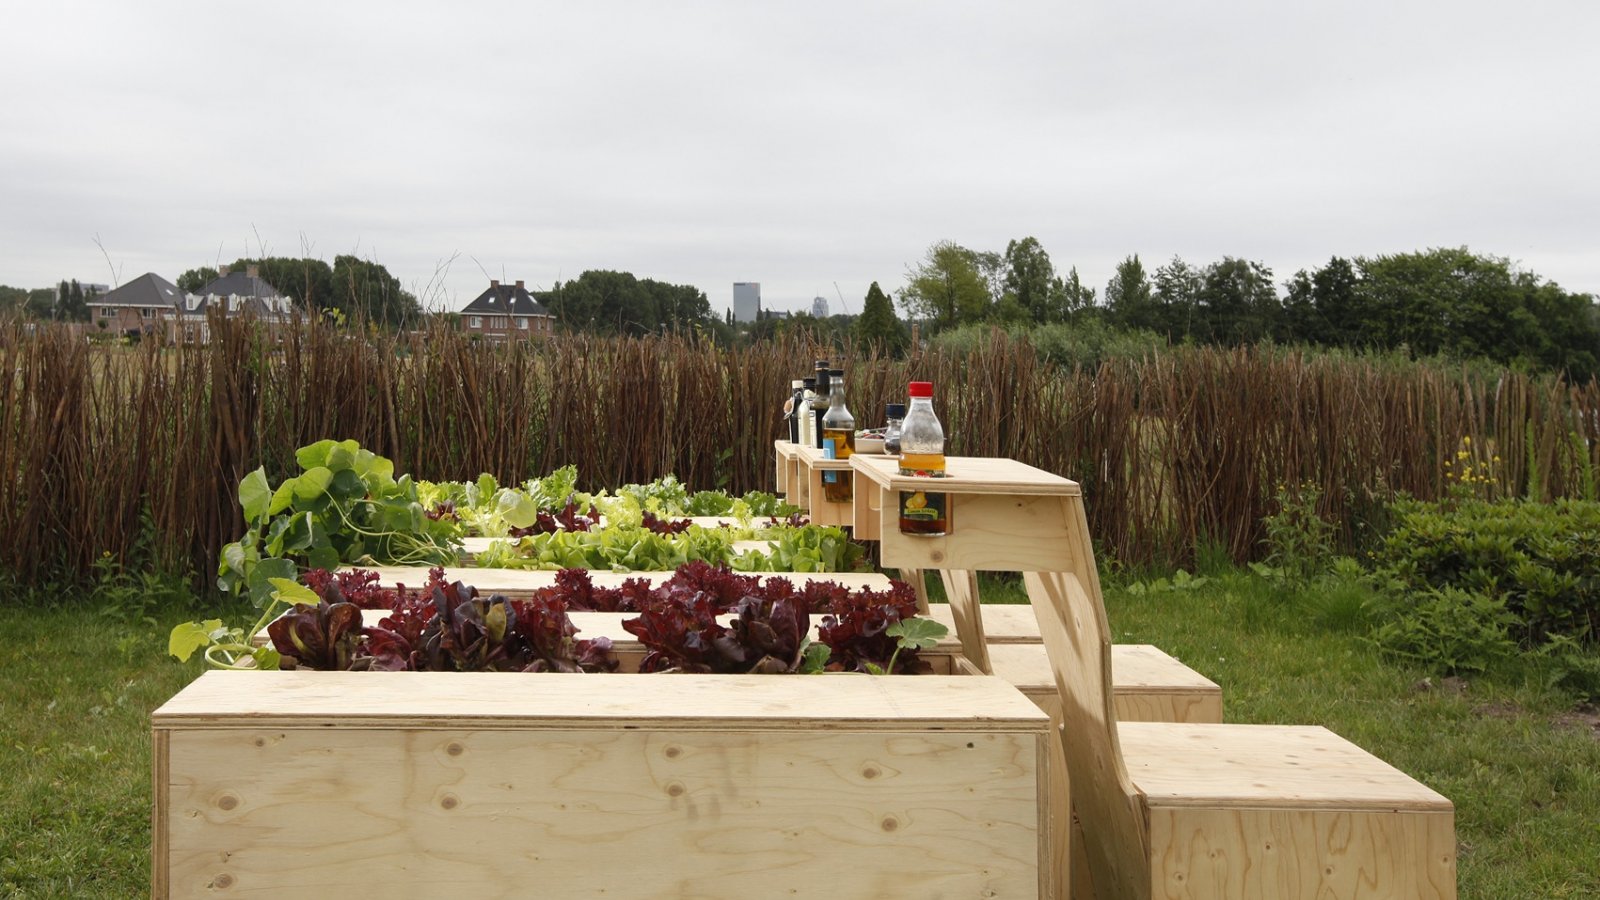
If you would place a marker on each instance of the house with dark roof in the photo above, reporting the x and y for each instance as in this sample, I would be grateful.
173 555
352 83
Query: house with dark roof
142 306
243 293
507 312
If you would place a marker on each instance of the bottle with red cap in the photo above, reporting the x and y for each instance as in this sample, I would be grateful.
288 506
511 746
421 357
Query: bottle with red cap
922 455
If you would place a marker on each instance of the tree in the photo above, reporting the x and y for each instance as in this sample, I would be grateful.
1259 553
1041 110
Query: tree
37 304
366 290
71 306
1321 308
1030 278
1129 300
878 323
948 287
1177 292
1237 303
193 280
1075 298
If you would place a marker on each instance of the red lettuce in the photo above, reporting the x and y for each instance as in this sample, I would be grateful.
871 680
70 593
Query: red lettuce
324 636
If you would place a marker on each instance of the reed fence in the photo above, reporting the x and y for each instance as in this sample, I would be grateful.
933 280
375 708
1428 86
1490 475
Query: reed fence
136 451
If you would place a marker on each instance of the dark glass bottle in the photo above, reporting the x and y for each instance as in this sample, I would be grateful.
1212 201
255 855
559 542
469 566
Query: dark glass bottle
894 413
819 405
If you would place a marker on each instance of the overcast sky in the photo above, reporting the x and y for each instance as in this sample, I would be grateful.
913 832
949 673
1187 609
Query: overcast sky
798 145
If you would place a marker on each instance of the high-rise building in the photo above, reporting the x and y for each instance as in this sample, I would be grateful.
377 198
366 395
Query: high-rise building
746 301
819 307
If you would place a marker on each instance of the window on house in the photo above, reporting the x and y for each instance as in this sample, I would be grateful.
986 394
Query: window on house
522 322
147 313
475 321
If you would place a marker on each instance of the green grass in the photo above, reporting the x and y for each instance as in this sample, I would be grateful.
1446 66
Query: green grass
77 688
76 691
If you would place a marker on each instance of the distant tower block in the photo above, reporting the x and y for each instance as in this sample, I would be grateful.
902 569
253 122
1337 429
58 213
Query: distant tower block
819 307
746 301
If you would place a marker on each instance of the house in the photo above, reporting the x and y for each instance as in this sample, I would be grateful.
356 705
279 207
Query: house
235 294
144 305
506 312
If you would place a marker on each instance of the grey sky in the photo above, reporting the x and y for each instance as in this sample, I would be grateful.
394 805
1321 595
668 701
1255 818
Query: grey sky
796 145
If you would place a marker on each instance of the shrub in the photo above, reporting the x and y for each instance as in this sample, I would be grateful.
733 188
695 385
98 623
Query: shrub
1541 560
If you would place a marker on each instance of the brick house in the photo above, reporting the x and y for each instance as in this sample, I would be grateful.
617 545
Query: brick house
507 312
145 305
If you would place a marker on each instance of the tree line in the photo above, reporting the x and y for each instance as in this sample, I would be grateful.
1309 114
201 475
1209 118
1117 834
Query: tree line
1438 302
352 289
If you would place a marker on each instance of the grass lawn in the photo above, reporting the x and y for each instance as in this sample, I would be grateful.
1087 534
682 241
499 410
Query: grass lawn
1521 764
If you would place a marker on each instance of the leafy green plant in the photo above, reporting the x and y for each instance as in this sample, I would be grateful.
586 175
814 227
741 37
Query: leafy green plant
345 506
1180 581
1541 559
810 548
1299 541
1451 629
910 634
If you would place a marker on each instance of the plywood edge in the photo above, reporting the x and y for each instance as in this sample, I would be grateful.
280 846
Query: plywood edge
974 475
1437 805
160 786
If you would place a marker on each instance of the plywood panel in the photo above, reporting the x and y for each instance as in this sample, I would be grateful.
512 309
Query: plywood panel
584 813
1281 854
510 700
1003 623
1294 766
961 587
990 533
1146 684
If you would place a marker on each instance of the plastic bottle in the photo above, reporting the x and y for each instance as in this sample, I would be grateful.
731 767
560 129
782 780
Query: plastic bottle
922 455
895 413
838 439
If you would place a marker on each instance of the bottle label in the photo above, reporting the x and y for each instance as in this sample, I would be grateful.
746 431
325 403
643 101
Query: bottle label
924 512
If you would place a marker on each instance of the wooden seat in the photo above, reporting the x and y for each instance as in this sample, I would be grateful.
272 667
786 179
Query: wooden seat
1146 684
1003 623
1224 811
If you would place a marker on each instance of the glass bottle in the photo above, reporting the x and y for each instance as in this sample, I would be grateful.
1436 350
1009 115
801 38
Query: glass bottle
792 411
922 456
808 422
838 439
894 413
819 405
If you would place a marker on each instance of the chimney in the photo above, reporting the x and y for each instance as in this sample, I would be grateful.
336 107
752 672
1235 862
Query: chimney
252 271
519 284
494 283
222 271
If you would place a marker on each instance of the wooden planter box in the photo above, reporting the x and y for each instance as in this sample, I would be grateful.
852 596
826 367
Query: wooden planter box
433 784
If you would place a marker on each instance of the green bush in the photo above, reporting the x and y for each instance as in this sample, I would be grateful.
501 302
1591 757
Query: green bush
1542 560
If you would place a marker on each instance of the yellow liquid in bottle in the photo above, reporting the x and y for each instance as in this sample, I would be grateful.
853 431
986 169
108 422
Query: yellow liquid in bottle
836 485
924 512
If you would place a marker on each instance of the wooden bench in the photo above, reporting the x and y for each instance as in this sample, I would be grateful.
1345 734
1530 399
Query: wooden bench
1226 811
1147 685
